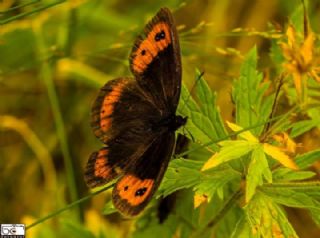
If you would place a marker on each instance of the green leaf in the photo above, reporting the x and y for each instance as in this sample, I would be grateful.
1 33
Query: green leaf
301 127
215 180
181 173
306 160
208 107
198 124
204 119
183 218
243 229
285 174
258 168
301 195
291 197
230 150
267 219
149 226
248 95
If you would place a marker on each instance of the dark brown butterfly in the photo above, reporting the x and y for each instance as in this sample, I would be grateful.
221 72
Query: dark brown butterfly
136 118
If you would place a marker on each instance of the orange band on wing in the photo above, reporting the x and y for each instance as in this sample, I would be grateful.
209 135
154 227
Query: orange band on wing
108 106
134 190
101 169
157 40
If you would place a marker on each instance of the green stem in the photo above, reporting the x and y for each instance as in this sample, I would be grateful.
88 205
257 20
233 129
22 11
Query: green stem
221 213
71 34
279 123
10 19
67 207
225 208
19 6
46 75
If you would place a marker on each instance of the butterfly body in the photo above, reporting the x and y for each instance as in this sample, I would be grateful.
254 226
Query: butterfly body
136 119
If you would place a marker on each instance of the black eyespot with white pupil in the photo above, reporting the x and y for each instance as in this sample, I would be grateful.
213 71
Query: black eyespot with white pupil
160 35
140 192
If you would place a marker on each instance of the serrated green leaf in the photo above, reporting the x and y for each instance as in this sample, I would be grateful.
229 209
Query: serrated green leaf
180 174
209 108
214 182
243 229
292 197
258 168
226 226
285 174
301 127
267 219
150 227
302 195
306 160
198 124
248 95
230 150
315 216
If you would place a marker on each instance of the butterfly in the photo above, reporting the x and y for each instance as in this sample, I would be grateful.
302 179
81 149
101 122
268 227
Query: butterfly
136 118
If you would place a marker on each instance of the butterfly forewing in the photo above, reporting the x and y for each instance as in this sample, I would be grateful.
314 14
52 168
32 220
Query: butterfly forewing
155 61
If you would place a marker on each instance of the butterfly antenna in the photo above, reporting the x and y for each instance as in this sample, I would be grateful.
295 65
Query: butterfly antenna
192 88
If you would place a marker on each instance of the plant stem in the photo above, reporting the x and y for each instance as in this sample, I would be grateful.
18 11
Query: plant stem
19 6
67 207
71 32
10 19
46 75
221 213
225 208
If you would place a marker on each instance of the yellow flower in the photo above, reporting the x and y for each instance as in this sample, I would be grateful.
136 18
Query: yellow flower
301 57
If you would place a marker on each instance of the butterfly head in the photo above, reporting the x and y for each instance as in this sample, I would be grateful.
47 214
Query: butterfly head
178 122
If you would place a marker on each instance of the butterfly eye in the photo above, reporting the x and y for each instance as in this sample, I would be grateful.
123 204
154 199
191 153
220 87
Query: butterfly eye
140 192
160 35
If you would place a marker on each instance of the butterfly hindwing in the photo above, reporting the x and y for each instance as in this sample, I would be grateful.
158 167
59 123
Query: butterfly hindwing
121 107
135 189
155 60
100 170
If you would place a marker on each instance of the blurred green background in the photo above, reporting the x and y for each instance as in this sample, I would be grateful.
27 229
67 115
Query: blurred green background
52 63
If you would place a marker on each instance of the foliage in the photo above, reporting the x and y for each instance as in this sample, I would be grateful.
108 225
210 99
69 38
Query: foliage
252 155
